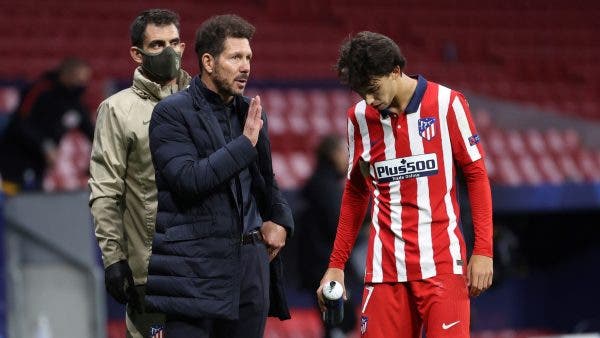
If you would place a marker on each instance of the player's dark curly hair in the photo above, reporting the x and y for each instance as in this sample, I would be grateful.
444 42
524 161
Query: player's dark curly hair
367 55
159 17
211 36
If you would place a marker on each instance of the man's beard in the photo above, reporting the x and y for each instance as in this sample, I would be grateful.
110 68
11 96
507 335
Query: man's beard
224 88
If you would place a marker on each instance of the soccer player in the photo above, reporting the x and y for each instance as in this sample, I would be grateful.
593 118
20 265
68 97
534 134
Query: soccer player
405 140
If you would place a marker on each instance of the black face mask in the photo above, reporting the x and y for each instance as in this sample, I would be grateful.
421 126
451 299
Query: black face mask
163 66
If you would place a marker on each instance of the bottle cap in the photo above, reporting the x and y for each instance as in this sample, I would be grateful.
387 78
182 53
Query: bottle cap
333 290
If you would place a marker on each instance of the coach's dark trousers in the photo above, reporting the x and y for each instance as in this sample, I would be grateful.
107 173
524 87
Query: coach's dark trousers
254 304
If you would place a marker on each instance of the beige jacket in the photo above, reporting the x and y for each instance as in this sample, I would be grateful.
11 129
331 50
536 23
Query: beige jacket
123 191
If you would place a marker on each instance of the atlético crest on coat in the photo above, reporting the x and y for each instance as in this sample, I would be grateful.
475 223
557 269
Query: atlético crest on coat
363 324
427 128
157 331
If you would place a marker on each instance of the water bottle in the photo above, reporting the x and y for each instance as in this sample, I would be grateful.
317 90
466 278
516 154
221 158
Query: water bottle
334 302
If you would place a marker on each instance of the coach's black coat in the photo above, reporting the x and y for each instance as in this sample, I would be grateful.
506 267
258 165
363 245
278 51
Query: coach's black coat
194 269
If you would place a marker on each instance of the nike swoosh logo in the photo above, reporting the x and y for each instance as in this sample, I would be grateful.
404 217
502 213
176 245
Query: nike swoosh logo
447 326
146 122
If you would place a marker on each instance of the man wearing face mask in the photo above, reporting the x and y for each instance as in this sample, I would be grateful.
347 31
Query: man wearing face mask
221 217
122 183
48 110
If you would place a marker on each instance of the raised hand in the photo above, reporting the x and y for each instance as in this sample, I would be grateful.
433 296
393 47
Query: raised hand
253 122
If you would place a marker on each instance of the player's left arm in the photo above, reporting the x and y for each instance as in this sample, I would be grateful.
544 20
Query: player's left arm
480 269
468 153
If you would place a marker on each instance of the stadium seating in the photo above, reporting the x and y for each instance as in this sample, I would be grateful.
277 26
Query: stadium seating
537 52
531 156
542 52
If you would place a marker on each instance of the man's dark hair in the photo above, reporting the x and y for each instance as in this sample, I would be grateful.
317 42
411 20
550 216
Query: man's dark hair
211 36
159 17
365 56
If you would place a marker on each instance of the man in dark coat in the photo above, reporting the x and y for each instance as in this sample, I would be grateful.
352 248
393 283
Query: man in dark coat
221 217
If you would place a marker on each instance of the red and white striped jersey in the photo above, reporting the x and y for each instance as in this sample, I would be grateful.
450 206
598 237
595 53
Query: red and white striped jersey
411 179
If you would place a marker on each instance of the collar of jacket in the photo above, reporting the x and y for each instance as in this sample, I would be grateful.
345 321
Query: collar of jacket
148 89
204 110
200 100
211 96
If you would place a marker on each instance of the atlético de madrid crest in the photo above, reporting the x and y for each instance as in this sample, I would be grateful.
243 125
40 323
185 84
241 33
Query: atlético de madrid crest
363 324
157 331
427 128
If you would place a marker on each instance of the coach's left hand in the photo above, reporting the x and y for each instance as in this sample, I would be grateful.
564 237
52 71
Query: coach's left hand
274 236
480 273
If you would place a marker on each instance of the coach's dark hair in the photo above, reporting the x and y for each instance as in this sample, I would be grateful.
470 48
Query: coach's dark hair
211 36
367 55
159 17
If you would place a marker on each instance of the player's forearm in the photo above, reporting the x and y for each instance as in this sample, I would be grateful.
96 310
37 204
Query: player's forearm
355 202
480 196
